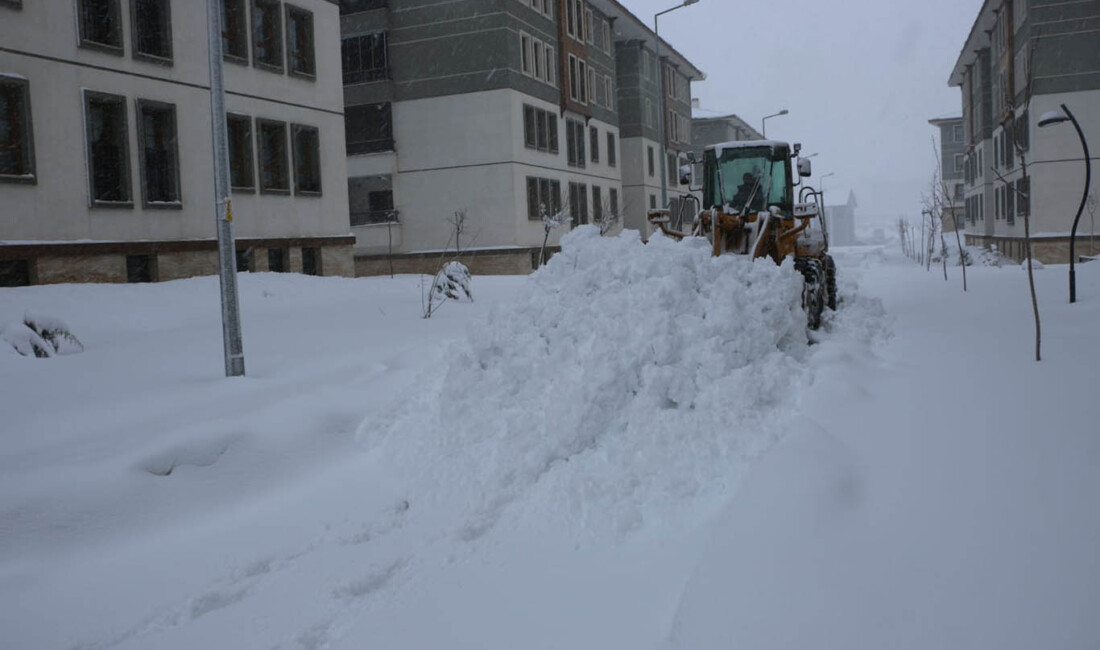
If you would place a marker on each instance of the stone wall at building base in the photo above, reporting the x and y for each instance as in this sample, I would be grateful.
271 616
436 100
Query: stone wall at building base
63 262
1048 250
502 261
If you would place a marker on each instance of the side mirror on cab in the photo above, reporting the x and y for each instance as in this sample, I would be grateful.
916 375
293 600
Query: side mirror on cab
805 170
687 172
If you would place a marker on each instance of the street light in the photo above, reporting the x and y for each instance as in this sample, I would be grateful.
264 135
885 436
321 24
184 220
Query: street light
1057 117
661 104
764 122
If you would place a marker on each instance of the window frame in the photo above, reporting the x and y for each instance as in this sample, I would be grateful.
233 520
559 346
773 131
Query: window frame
30 175
115 9
362 74
526 65
134 38
289 10
594 144
242 32
249 154
277 39
139 106
650 160
90 96
260 124
612 153
295 130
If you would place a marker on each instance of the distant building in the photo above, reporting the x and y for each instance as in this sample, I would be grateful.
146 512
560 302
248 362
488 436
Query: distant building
952 167
106 152
841 221
1056 45
502 109
706 131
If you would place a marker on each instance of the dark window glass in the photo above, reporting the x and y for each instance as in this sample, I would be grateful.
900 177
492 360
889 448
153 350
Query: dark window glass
552 129
574 136
267 28
159 153
152 23
649 158
100 24
273 158
311 260
299 42
15 273
368 128
529 136
613 199
612 154
276 260
234 30
108 150
543 193
16 137
534 211
355 6
139 268
597 203
307 159
241 175
672 168
594 142
365 58
578 203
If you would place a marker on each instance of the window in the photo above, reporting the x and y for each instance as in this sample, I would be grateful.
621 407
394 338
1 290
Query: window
311 260
244 260
274 176
140 268
649 158
365 58
957 132
652 201
959 158
369 128
1023 196
588 26
594 143
571 18
597 204
609 93
605 27
613 201
234 31
152 29
650 121
540 129
578 80
542 194
574 140
267 35
670 168
578 203
612 155
100 25
108 150
276 260
300 60
158 154
16 134
538 61
646 72
15 273
551 67
307 160
591 94
241 176
525 54
1010 203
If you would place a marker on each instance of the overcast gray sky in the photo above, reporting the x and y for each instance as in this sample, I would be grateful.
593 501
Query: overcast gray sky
861 79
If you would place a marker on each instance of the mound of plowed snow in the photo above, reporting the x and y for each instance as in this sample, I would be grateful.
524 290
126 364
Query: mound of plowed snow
627 378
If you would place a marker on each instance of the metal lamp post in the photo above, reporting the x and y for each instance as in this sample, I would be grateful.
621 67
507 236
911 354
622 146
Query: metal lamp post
1056 117
661 104
764 122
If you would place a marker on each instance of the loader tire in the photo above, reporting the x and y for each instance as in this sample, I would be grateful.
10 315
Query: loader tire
813 289
830 282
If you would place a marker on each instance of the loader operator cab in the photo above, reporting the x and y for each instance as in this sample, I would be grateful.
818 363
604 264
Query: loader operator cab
752 175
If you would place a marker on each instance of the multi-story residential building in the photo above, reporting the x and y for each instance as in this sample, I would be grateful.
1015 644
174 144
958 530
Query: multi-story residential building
1022 59
106 146
952 170
841 220
501 110
706 131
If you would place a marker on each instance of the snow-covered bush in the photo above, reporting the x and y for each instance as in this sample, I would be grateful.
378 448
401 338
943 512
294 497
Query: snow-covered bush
990 256
453 282
40 336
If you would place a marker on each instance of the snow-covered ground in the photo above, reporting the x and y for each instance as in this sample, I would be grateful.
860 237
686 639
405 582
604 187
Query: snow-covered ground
635 448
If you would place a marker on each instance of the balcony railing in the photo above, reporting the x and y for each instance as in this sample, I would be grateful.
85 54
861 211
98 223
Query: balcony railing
372 217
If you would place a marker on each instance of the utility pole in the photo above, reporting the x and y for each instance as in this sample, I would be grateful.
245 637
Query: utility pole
223 212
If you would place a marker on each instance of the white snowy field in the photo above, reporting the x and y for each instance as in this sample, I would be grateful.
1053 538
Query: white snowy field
634 448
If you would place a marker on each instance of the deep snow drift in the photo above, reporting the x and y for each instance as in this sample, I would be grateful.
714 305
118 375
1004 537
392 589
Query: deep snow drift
634 448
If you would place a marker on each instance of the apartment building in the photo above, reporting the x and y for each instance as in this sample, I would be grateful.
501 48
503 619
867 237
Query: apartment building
1055 46
952 145
706 131
497 110
106 145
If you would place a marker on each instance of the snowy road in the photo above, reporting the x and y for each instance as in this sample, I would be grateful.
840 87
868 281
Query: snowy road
552 479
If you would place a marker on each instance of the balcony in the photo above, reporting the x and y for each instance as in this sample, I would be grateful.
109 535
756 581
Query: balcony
374 217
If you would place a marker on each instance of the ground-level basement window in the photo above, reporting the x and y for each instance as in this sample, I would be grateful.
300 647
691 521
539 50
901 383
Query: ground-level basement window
16 137
311 260
140 268
276 260
15 273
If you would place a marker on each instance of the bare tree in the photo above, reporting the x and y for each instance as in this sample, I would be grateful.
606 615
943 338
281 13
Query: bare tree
551 221
458 223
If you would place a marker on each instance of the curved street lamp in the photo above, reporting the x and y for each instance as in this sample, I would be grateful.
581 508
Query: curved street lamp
1057 117
661 104
764 122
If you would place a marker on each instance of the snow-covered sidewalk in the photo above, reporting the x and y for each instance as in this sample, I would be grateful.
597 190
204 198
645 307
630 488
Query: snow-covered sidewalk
634 448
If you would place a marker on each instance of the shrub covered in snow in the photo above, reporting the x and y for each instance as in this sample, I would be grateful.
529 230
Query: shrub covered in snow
40 336
453 282
990 256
